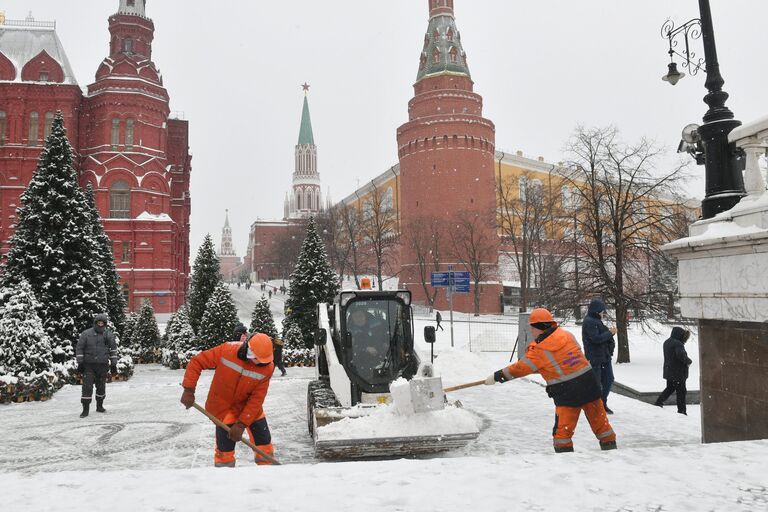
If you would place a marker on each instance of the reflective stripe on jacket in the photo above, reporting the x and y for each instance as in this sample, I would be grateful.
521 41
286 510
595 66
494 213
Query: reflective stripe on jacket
93 347
558 358
238 388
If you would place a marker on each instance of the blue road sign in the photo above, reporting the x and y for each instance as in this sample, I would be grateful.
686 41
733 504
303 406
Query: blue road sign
440 279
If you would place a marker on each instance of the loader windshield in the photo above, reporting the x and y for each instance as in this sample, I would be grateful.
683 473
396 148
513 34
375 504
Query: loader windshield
377 332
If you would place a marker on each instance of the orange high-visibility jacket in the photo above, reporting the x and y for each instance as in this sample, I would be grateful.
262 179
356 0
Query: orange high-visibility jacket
559 359
238 388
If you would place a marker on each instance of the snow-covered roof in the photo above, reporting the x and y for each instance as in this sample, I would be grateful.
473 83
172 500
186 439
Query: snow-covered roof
22 43
156 217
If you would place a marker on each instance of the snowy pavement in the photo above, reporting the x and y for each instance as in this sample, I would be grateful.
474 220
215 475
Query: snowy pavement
149 453
57 461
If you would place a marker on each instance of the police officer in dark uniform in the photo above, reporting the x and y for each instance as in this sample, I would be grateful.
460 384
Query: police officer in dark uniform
96 355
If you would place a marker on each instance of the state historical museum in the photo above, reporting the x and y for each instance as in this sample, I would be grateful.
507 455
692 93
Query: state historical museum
134 156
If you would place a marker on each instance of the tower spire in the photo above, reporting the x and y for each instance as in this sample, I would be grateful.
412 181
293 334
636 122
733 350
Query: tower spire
136 7
305 133
226 238
442 53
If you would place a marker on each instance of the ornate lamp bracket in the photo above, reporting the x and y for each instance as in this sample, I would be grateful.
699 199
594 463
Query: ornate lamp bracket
687 32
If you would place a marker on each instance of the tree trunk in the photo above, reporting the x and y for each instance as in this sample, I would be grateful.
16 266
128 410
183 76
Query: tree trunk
621 327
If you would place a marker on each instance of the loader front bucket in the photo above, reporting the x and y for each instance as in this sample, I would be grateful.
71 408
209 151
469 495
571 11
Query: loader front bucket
364 432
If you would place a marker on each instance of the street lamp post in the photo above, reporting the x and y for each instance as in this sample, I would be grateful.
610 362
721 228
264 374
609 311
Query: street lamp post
723 163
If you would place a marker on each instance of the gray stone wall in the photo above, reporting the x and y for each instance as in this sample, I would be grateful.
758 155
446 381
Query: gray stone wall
734 380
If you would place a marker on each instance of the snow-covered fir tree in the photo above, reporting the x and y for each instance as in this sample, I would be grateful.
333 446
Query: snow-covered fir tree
105 261
130 325
262 320
145 339
206 274
295 353
179 340
164 344
53 248
125 364
26 365
219 320
312 281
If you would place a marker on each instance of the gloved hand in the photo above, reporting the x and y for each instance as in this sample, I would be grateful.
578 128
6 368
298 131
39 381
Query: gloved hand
80 368
490 380
113 369
236 431
188 397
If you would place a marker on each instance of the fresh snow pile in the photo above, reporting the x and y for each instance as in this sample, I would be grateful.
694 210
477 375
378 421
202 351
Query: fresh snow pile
384 421
460 367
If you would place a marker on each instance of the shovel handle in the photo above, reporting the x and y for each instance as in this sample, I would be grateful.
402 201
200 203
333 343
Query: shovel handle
245 441
463 386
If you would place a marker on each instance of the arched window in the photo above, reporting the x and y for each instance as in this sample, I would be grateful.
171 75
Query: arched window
120 200
435 56
454 55
3 127
48 124
298 200
449 34
115 139
34 120
388 202
129 134
308 199
522 187
131 3
128 45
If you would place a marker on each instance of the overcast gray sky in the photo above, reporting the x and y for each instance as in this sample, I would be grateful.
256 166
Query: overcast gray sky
234 68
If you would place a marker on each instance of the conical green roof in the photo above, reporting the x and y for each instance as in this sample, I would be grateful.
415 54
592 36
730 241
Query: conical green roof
305 134
442 51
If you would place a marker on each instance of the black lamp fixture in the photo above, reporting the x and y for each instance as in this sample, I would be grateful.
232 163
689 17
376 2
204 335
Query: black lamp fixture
723 162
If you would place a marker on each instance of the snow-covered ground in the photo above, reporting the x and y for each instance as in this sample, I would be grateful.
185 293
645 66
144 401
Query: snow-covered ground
149 453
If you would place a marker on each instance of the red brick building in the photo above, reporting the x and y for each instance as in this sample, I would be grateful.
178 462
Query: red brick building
127 147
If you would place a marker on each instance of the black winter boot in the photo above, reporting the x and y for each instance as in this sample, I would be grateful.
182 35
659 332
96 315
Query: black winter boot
86 407
607 445
100 405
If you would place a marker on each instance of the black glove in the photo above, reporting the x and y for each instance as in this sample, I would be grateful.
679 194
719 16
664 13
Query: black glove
113 369
80 368
236 431
499 377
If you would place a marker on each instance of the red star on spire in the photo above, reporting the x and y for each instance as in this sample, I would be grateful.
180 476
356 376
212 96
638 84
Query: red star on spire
305 86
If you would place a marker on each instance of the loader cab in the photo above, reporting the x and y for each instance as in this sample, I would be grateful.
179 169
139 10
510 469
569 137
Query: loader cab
373 335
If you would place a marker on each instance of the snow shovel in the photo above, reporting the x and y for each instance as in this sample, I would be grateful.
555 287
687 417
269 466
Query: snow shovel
463 386
245 441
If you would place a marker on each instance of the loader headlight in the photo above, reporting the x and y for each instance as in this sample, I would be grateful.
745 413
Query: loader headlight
405 297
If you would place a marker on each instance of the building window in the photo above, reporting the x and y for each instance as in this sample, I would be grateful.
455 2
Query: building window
115 133
128 45
129 134
48 124
126 293
298 201
435 57
449 34
120 201
43 76
131 3
126 252
34 119
3 127
454 55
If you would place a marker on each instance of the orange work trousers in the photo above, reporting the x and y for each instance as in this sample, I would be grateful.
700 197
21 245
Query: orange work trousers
567 417
258 432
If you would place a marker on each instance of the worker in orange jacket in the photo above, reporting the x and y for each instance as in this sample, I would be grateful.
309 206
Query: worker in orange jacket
571 383
236 397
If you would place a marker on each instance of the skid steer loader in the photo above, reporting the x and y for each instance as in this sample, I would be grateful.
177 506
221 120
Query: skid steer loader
364 344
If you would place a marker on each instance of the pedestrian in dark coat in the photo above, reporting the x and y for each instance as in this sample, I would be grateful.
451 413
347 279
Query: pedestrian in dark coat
599 346
438 319
277 345
96 354
676 363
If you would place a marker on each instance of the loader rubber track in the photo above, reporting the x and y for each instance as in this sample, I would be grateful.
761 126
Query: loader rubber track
319 395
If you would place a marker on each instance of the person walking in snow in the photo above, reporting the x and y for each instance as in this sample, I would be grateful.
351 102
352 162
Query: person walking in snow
96 353
236 396
438 319
676 363
270 294
278 350
599 346
555 355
